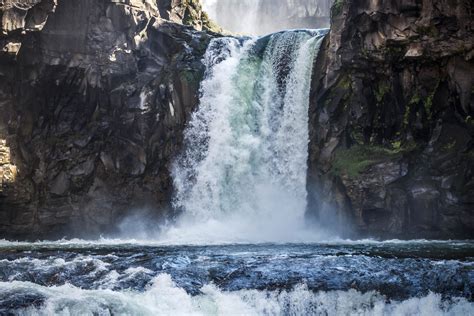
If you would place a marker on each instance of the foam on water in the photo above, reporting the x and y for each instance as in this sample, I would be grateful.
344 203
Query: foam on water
164 297
130 278
105 242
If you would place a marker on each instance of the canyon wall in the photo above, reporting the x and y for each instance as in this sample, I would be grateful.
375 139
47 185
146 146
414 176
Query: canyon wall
391 121
94 98
95 95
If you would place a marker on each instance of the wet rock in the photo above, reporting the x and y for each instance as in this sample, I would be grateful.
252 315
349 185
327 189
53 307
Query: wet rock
89 128
396 79
83 169
60 184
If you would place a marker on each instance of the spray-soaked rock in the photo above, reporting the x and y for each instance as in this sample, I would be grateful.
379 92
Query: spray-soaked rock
391 120
94 97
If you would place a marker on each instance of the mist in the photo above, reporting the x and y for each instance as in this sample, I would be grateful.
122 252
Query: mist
258 17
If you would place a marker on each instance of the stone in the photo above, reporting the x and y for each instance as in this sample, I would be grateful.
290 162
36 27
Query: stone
60 184
396 76
83 169
84 66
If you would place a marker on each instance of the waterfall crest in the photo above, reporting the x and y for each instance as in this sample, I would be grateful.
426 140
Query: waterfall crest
242 175
267 16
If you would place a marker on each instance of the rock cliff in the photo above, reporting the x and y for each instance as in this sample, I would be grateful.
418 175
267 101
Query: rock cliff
94 97
95 94
391 119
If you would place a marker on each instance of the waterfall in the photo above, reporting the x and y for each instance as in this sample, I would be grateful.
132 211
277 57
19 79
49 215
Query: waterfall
242 174
266 16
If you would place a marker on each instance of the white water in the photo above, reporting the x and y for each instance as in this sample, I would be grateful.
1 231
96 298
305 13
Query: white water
164 297
246 23
113 277
242 177
257 17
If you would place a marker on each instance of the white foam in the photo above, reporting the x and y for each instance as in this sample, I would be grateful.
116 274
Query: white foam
164 297
242 177
163 241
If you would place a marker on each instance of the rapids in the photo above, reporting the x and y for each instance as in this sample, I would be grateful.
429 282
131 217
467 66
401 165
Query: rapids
116 277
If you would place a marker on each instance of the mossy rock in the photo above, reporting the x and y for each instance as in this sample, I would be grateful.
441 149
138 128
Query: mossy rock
190 76
359 158
337 7
195 16
382 90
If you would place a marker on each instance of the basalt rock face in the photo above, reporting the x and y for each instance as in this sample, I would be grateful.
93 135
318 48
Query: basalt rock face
94 95
391 120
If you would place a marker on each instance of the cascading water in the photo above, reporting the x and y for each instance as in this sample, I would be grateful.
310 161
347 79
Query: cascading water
241 180
246 24
266 16
242 176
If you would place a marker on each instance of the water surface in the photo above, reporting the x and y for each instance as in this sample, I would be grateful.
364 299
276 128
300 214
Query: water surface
144 278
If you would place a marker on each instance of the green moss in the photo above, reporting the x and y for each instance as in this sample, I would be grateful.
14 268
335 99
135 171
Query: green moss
449 146
190 76
415 99
430 31
343 86
406 116
428 106
327 102
336 8
429 102
357 135
345 82
358 158
382 90
397 145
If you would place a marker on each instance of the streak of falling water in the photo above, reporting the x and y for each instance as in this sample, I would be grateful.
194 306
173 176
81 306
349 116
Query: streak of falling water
266 16
243 172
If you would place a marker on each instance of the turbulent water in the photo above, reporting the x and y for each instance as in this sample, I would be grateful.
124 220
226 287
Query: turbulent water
242 176
339 278
237 247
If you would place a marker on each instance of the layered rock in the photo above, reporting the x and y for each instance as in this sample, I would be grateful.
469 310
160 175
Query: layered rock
94 98
391 119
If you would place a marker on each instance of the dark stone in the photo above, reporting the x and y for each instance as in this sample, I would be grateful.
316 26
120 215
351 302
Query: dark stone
391 127
86 108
